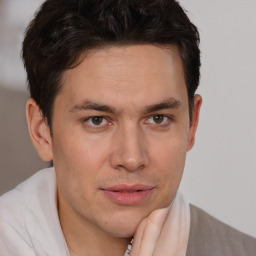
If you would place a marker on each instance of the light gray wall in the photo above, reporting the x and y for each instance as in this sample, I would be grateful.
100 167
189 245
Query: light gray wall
220 174
18 159
14 17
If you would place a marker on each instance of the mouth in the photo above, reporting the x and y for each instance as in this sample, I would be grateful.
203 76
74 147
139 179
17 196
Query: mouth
128 194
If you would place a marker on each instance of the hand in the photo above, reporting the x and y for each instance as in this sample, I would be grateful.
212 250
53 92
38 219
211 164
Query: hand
164 232
147 233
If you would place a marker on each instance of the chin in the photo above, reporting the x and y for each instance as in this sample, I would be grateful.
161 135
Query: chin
123 226
123 231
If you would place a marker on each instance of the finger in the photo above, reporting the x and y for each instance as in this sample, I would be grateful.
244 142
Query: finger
152 229
174 234
138 237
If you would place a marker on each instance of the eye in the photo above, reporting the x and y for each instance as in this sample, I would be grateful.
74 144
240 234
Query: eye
96 121
159 120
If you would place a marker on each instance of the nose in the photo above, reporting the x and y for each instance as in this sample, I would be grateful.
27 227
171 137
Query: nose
129 152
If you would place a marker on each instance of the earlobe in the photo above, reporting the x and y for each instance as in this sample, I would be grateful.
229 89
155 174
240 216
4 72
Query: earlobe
39 130
194 121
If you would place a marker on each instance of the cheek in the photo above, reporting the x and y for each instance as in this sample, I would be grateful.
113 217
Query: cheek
171 164
77 167
169 160
79 152
79 163
170 149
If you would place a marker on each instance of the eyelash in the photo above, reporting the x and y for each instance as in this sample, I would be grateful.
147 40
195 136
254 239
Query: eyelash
93 126
165 123
167 119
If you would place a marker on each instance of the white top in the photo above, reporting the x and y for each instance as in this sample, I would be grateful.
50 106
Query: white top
29 222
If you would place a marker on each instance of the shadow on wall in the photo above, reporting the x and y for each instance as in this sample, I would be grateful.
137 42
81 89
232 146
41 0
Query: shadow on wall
18 158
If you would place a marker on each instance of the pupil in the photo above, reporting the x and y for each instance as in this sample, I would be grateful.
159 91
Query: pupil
158 119
97 120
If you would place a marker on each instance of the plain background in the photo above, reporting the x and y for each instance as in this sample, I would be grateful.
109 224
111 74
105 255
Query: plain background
220 173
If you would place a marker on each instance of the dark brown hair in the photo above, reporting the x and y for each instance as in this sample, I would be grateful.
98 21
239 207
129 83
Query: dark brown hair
64 29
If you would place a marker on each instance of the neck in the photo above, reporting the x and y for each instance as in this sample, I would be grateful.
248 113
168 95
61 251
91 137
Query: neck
85 238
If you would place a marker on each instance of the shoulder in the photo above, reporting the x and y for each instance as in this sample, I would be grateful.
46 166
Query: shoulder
29 191
24 212
28 197
209 236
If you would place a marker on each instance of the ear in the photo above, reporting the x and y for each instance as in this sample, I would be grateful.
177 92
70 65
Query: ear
194 121
39 130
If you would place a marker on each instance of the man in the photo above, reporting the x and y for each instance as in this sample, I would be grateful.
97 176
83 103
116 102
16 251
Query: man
113 105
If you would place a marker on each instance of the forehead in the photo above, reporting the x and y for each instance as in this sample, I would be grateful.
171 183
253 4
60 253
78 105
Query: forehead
126 75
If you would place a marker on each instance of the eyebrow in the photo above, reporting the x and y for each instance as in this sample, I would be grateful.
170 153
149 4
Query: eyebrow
170 103
89 105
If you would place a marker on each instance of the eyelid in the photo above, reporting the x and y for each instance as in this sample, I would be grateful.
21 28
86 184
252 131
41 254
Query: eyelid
169 119
108 122
100 126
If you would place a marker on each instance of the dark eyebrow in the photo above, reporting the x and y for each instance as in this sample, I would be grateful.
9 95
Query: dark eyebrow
170 103
88 105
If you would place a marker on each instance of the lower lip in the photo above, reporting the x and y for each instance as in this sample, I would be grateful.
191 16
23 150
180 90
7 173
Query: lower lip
125 198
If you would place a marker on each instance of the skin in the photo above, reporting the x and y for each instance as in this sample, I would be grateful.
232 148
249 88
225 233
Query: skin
134 143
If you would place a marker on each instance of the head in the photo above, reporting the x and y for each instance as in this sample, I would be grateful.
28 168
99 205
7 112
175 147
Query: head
63 31
113 104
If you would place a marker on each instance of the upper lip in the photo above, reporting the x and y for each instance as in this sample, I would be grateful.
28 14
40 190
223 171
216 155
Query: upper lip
125 187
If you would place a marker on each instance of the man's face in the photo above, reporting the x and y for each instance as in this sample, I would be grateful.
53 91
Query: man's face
120 136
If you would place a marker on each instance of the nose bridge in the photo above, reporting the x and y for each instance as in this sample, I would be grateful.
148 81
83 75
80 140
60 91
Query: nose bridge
130 152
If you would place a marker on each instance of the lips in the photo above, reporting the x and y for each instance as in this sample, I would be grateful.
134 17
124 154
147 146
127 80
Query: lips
128 194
